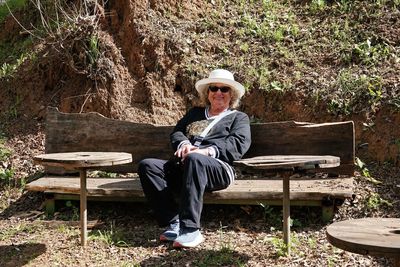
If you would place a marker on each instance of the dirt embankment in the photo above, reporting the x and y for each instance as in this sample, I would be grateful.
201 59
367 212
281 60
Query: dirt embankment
148 80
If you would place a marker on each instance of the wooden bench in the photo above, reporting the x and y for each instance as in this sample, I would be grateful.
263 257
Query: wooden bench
93 132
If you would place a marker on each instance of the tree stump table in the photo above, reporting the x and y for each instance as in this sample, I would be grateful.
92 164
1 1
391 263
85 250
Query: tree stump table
367 236
82 161
287 165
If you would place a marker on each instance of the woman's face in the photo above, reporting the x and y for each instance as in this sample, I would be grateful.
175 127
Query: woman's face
220 98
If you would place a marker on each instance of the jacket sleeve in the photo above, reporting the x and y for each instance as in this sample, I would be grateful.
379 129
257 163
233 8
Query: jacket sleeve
178 135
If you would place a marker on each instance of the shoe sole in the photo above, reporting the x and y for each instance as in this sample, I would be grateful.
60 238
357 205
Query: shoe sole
166 239
192 244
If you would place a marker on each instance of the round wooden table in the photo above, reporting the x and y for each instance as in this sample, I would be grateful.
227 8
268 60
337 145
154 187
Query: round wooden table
287 165
82 161
367 236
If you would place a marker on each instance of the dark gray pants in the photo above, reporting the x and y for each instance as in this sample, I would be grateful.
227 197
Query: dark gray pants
161 180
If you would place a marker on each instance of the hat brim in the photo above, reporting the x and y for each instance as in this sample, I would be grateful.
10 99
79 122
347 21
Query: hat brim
204 83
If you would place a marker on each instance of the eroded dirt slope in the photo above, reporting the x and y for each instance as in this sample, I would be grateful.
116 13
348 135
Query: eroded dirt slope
156 50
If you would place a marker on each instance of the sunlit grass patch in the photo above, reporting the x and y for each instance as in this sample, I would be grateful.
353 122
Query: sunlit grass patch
113 236
17 229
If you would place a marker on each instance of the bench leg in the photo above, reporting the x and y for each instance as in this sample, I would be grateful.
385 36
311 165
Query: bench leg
286 210
328 208
327 213
50 205
83 206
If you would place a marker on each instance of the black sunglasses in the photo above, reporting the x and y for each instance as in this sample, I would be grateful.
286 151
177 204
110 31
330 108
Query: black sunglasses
223 89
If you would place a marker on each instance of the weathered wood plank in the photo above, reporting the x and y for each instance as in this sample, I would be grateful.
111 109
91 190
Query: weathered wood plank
289 162
301 189
368 236
297 138
71 132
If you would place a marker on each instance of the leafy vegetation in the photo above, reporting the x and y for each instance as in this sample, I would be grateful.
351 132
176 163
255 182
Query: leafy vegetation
10 5
6 172
112 237
291 46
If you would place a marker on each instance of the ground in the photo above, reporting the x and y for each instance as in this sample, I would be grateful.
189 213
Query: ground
152 52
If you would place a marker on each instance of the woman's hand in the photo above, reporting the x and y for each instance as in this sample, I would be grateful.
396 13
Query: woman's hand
187 149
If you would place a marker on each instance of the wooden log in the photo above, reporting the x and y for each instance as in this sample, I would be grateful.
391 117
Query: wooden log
71 132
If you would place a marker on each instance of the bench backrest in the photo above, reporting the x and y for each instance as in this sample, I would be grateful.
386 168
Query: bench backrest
70 132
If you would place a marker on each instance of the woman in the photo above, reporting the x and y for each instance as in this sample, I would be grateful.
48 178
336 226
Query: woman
204 162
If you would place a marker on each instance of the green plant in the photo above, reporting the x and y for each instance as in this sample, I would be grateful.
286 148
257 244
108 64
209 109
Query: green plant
374 201
281 248
332 261
395 102
5 153
277 86
244 47
75 210
365 172
222 257
271 215
312 242
278 34
7 70
71 29
10 5
22 227
317 5
355 93
103 174
93 49
345 5
112 237
367 53
6 176
13 109
129 264
224 243
69 231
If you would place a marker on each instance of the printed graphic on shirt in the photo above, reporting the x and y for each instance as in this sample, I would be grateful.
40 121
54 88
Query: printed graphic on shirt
196 128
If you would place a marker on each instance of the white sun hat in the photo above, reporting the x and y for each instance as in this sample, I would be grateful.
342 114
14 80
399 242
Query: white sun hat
220 76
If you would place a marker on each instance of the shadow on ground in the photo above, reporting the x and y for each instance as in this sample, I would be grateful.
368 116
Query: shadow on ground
222 257
27 203
19 255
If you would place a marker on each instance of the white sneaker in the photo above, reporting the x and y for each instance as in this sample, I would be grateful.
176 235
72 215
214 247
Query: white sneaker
188 238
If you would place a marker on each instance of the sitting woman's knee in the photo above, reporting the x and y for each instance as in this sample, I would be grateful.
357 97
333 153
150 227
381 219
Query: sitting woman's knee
193 157
144 165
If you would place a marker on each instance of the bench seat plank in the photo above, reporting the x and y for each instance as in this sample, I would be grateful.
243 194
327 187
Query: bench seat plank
268 189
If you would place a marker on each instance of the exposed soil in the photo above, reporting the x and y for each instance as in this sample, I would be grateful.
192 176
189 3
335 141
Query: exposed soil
144 76
154 51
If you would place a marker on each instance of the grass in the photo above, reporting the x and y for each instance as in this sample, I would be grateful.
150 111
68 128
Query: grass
19 228
13 52
6 171
374 202
279 43
7 70
114 236
12 5
222 257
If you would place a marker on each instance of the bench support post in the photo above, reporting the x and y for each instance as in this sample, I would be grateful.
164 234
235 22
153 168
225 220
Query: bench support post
328 208
327 213
286 210
83 206
50 205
